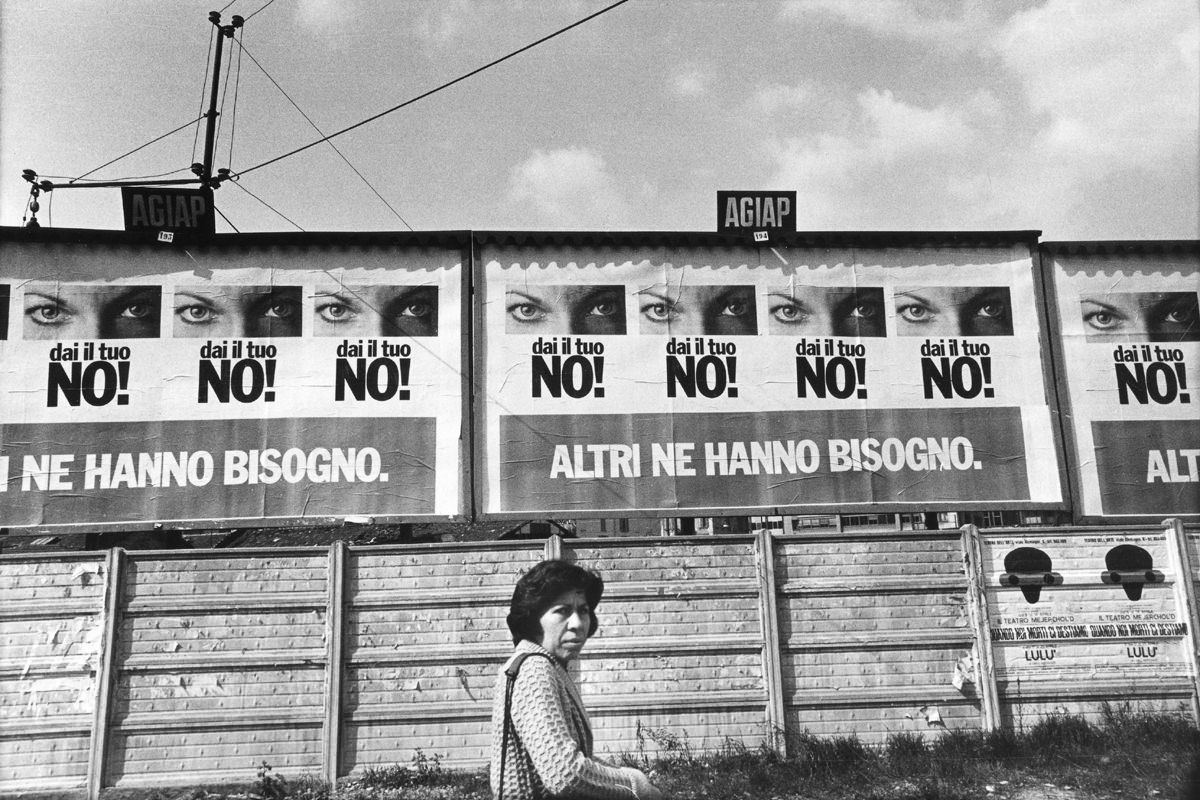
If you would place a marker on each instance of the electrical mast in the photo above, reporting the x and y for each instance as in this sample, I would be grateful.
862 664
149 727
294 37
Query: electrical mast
203 171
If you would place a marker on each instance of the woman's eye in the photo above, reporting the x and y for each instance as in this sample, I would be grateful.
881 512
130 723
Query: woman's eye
48 314
915 312
196 314
280 309
604 308
416 309
864 311
991 310
735 308
789 313
526 312
659 312
1102 320
334 312
1180 316
137 311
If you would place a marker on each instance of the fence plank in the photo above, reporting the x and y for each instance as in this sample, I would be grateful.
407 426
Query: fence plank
331 751
106 672
985 667
764 560
1185 587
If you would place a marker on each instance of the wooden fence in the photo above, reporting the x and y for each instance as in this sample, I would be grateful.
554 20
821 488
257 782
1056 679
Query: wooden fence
121 669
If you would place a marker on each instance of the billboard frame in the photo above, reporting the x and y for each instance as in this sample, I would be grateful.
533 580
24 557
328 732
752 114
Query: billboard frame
1047 253
826 239
452 242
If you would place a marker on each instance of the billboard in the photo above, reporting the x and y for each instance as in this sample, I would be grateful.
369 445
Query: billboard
637 374
252 379
1129 334
1084 608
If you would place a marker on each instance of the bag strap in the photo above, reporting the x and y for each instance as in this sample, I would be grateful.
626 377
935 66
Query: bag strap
511 672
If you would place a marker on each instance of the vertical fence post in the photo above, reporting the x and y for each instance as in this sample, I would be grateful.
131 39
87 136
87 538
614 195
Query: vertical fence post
105 672
554 548
331 743
1185 594
985 668
768 613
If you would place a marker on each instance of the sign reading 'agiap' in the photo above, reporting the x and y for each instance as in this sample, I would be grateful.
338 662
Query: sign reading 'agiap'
761 214
175 210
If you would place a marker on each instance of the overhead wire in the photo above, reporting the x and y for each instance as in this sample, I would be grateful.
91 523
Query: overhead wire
134 150
268 205
204 86
317 128
227 222
127 178
237 83
259 10
446 85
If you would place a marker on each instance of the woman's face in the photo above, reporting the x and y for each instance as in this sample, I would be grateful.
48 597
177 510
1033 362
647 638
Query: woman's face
565 625
826 311
1141 316
954 311
693 310
560 310
376 311
237 311
85 311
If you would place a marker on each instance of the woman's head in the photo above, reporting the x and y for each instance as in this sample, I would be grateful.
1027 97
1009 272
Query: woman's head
556 310
692 310
551 590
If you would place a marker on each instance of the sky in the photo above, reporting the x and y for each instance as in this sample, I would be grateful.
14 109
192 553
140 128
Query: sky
1078 118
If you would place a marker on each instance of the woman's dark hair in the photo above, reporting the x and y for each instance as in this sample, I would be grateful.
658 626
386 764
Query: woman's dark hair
537 590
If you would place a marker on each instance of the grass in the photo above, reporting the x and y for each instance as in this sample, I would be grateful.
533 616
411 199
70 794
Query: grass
1125 755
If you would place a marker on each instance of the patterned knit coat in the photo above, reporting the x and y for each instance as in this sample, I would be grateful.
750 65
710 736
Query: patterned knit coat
551 753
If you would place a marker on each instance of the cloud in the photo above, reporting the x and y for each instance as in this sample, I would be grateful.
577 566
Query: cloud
1117 82
444 22
569 188
690 83
904 18
1096 136
776 98
324 15
898 166
1116 87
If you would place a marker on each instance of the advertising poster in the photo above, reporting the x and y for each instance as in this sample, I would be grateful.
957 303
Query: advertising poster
259 378
1130 338
706 377
1069 607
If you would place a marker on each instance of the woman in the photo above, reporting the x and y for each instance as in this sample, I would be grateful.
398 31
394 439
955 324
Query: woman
1141 317
694 310
541 737
89 311
933 311
559 310
215 312
827 311
350 311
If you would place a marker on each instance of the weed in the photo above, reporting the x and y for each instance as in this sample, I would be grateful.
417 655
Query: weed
1060 734
269 785
673 749
422 770
906 750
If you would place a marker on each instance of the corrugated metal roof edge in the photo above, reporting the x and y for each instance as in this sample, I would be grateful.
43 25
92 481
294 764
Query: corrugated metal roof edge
1118 247
459 238
793 239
